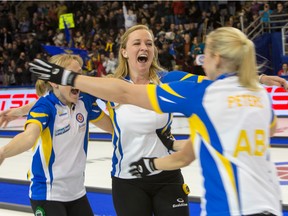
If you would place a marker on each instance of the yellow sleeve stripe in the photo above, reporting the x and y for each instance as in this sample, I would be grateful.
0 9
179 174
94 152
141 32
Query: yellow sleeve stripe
99 117
168 89
35 115
151 90
47 145
35 122
200 79
187 76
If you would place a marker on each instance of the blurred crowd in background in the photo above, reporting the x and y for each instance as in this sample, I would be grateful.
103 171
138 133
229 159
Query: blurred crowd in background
179 28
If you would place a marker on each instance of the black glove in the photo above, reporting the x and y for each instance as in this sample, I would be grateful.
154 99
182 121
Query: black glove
51 72
142 167
166 138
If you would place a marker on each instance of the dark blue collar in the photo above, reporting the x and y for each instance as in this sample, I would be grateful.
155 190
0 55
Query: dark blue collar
55 99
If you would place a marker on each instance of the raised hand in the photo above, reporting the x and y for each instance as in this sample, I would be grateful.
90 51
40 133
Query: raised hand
51 72
142 167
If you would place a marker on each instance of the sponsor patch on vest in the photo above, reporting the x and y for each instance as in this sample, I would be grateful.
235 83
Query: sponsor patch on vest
62 130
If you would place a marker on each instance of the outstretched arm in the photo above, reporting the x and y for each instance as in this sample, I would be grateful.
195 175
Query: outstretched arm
145 166
178 159
273 81
110 89
105 124
13 113
115 90
21 142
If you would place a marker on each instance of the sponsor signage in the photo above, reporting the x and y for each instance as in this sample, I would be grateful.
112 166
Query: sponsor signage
13 98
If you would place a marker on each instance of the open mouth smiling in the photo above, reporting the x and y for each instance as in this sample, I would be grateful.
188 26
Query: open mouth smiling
75 91
142 58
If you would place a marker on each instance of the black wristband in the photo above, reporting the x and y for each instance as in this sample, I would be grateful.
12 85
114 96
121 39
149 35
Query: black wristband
152 164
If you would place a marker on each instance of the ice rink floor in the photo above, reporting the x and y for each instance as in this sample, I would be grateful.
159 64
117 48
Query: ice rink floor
99 166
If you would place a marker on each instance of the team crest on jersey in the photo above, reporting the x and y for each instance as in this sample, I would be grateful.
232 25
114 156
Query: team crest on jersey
282 171
79 117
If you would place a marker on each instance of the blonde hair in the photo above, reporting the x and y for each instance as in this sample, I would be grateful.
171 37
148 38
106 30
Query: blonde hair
238 51
62 60
122 69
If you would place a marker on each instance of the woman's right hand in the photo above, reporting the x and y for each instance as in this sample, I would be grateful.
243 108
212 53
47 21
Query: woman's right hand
9 115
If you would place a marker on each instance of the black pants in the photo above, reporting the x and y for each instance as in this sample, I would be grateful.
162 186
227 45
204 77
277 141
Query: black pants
159 195
79 207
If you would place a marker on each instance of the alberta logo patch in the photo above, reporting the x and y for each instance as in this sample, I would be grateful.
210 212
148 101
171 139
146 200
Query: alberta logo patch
39 211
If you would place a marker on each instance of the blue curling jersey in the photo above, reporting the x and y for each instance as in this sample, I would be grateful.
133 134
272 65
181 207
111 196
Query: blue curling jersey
230 131
59 155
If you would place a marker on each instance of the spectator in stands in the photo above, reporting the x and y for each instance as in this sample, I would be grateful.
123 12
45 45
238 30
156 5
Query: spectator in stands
13 22
98 61
61 8
33 47
120 20
178 8
166 60
110 46
187 44
194 14
265 14
129 16
88 23
5 37
279 18
11 74
78 38
49 37
5 64
247 14
24 25
197 48
255 7
41 33
214 18
59 38
80 23
110 63
284 70
21 74
14 51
